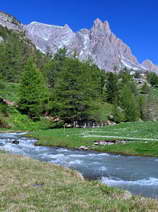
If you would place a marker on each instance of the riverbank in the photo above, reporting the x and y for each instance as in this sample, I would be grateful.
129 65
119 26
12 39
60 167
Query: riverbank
30 185
139 138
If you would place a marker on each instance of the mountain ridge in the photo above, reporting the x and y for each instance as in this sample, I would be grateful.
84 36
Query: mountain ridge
98 44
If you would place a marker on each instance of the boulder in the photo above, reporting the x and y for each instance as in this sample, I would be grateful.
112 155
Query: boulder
83 148
15 142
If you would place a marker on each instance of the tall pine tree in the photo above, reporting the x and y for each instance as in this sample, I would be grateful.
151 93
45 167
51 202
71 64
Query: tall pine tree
129 103
33 93
112 88
77 85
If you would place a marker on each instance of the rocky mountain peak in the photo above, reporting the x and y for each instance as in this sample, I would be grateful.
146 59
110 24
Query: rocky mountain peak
101 27
66 26
98 44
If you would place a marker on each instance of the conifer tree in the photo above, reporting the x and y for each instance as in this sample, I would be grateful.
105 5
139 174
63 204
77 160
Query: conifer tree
112 88
77 85
128 102
152 79
33 93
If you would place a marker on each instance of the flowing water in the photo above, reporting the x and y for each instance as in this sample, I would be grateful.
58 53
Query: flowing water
136 174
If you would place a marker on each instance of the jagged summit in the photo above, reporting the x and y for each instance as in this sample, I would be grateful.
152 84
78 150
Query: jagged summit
97 21
102 26
99 44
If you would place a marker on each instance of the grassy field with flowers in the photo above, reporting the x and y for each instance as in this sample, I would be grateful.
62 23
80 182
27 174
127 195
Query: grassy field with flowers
141 138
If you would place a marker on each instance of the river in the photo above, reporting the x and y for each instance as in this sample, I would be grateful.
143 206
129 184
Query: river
139 175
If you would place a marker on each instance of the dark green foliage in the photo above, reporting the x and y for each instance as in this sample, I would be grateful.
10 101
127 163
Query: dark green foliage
77 91
60 55
2 83
78 84
145 89
125 76
101 111
129 104
74 86
152 79
141 100
137 75
126 79
53 67
121 91
33 93
119 114
14 52
4 109
112 88
3 123
149 108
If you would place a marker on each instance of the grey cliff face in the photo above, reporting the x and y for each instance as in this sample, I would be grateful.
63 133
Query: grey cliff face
104 48
10 22
99 44
49 38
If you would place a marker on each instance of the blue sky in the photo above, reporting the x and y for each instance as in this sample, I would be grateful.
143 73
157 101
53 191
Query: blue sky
134 21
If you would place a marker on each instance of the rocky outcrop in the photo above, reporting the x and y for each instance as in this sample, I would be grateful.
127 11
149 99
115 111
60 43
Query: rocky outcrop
109 142
105 49
10 22
49 38
83 148
148 64
15 142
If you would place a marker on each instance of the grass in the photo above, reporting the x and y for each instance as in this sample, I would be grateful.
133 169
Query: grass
142 138
27 185
17 121
132 148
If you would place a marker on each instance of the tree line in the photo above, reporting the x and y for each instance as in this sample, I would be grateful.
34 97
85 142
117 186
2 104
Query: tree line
76 91
70 90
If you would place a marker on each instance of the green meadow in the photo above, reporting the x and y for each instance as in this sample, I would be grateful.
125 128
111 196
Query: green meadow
141 138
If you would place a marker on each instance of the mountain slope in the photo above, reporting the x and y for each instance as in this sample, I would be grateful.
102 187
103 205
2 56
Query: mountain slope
15 48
